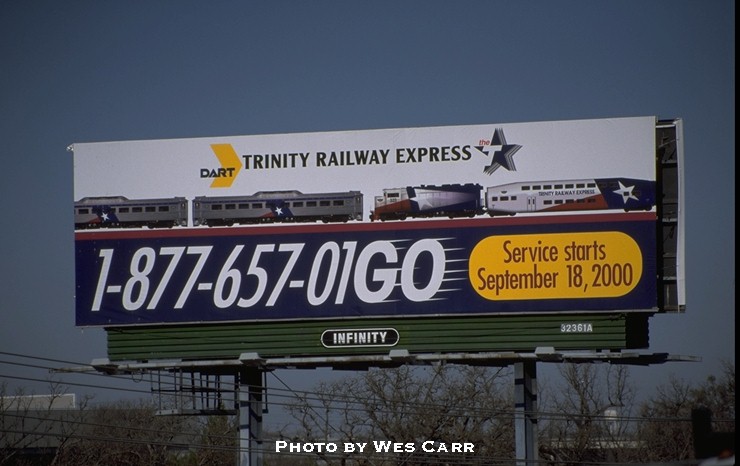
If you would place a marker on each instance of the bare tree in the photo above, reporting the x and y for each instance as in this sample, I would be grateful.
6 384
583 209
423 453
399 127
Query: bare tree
217 442
718 394
128 432
666 431
408 405
585 421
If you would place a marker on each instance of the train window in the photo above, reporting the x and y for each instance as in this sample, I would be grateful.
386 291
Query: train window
257 205
243 206
558 201
558 186
569 201
392 195
590 200
136 209
310 203
513 198
164 208
494 198
569 186
536 187
338 202
548 202
547 186
324 203
123 210
83 211
216 207
580 185
590 185
526 188
230 206
298 204
504 198
580 201
150 208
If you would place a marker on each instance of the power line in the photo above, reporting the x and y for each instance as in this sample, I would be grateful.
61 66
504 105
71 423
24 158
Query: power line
309 396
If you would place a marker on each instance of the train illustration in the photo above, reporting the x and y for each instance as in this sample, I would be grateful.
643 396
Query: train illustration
121 212
510 199
421 201
277 206
447 200
571 195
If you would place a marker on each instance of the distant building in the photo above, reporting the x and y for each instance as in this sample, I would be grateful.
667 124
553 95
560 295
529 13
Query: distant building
33 427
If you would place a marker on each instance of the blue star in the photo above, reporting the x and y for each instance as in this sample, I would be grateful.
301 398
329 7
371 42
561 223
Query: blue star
504 157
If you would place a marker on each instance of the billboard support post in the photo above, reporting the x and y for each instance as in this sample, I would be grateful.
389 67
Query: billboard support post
250 416
525 412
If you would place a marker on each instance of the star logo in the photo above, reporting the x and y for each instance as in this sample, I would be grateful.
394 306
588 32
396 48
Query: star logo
503 156
626 192
423 202
278 211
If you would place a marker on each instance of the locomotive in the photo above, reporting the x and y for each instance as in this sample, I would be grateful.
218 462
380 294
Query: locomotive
447 200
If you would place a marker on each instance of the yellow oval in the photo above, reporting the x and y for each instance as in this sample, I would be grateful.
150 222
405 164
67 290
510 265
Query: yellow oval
555 265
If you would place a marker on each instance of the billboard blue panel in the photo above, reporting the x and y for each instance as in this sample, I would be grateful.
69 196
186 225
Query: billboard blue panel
535 264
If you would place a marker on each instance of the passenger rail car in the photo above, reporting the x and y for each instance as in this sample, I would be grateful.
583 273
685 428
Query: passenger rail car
277 206
447 200
571 195
121 212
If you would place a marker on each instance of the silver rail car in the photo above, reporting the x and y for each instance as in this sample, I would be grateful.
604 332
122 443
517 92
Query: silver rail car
121 212
571 195
277 206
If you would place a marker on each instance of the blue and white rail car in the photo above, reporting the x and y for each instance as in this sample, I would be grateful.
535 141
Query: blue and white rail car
571 195
447 200
277 206
121 212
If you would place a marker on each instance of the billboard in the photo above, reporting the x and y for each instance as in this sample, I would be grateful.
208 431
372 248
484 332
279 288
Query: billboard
500 219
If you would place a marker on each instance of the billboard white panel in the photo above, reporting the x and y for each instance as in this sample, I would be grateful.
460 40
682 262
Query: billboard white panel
368 160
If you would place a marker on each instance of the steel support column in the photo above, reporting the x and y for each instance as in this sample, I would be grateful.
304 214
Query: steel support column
525 413
251 392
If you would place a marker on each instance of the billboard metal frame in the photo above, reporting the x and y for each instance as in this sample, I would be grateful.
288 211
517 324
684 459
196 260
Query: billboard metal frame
147 347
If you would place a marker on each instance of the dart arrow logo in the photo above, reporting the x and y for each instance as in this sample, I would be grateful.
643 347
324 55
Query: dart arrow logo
224 176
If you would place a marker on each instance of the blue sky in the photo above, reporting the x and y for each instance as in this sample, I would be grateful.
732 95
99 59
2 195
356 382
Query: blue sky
88 71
